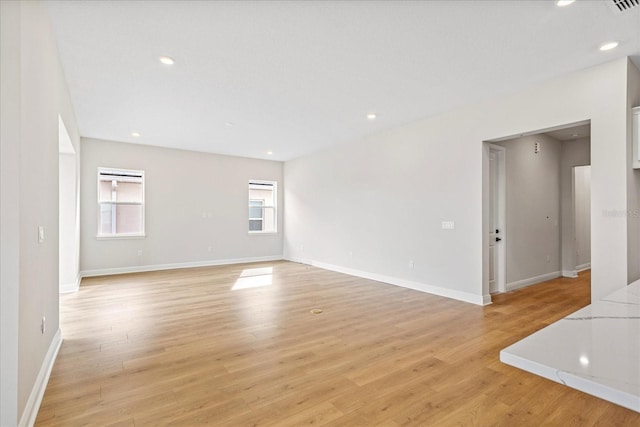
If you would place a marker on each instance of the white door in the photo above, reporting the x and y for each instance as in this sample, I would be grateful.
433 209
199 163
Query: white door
497 253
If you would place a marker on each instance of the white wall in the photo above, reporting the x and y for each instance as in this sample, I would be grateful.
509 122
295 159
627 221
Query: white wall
68 254
542 217
196 209
34 94
582 204
532 209
378 202
69 208
9 212
574 153
633 181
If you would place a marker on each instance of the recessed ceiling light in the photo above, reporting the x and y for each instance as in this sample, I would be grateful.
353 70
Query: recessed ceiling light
166 60
371 116
609 46
269 152
135 134
563 3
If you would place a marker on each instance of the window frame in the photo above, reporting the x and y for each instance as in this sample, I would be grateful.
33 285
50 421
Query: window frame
138 235
274 189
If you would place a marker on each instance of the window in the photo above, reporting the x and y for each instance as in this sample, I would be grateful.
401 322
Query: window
256 215
262 206
120 203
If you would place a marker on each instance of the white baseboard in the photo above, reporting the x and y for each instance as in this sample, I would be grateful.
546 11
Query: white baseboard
158 267
30 412
435 290
533 280
572 274
66 288
299 260
583 267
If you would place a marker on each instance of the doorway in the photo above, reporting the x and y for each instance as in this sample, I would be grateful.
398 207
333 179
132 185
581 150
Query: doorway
529 207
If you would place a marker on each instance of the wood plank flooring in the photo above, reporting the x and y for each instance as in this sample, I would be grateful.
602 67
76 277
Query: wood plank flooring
182 348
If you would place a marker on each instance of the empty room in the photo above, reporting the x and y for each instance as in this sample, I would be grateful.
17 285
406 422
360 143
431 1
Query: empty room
336 213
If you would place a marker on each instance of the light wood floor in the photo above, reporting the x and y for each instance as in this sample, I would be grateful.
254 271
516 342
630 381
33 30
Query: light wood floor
181 348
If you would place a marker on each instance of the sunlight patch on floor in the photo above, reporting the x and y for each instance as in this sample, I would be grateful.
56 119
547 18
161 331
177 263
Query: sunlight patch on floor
254 278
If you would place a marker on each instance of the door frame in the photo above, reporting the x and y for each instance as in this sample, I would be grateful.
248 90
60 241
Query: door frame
574 233
501 252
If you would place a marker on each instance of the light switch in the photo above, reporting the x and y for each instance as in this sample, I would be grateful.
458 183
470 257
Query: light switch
448 225
40 234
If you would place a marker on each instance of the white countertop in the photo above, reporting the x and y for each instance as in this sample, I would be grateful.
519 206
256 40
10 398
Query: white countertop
595 350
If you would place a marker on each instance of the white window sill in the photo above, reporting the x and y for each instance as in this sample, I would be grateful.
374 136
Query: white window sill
262 233
120 236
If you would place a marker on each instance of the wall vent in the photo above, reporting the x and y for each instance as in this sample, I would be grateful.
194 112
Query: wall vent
625 5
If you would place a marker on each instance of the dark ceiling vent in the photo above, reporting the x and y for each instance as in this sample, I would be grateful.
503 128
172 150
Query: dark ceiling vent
624 5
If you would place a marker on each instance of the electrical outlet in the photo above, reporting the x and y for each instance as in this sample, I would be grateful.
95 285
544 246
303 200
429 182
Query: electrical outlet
548 258
351 254
40 234
140 252
410 263
43 325
302 246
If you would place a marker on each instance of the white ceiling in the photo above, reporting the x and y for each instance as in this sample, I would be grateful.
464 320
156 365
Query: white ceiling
297 77
575 132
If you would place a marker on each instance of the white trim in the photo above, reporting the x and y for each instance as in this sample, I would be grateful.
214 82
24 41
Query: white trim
572 274
583 267
121 236
66 288
539 131
635 141
122 203
30 412
299 260
422 287
501 250
533 280
158 267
